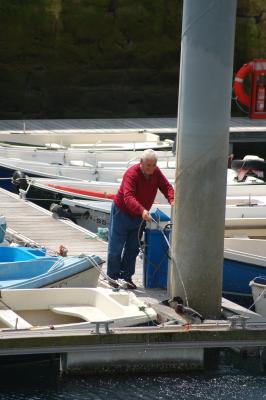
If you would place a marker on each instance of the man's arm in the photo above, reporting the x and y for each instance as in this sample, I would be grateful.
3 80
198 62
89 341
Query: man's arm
166 188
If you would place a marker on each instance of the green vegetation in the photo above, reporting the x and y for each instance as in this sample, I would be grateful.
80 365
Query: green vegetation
101 58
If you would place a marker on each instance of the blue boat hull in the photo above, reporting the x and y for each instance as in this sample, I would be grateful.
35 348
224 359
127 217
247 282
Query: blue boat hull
26 268
236 277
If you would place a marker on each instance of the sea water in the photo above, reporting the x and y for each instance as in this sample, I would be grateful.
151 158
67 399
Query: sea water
232 378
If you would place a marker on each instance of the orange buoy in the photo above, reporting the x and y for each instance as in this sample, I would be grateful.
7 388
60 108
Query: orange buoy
238 86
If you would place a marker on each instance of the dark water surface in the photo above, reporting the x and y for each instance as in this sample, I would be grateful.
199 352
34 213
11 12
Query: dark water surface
233 378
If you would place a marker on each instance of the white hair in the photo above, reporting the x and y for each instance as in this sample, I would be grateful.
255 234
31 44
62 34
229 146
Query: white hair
149 154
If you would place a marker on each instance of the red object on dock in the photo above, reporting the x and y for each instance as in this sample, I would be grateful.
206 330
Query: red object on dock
256 100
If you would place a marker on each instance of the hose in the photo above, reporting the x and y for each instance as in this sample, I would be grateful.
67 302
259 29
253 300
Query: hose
171 256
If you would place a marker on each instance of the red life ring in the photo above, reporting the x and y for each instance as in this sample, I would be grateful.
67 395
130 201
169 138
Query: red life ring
238 87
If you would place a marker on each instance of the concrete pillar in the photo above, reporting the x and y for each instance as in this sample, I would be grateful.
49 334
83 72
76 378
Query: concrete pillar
202 146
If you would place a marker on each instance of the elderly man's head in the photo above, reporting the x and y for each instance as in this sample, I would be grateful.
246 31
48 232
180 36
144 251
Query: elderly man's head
148 161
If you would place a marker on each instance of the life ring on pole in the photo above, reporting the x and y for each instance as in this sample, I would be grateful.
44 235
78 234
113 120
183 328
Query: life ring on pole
238 86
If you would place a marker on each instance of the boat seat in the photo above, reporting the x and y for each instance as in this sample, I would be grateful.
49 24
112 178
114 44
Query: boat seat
86 313
13 320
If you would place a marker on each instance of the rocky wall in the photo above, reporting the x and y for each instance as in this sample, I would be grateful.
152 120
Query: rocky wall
101 58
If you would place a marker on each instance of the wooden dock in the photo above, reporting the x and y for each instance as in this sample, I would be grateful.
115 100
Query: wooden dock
38 226
241 128
33 224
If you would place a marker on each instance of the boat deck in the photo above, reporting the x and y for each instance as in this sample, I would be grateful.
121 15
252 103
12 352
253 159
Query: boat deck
33 224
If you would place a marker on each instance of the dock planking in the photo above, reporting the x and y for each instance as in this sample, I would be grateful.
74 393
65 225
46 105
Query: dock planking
38 225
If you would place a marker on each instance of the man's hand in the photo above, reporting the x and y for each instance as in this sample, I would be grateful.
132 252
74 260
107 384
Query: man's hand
146 216
172 203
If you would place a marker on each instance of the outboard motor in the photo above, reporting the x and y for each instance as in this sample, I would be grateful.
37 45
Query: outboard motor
60 211
250 166
19 180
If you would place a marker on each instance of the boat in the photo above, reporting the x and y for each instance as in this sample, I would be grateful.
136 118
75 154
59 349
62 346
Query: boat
25 267
13 170
45 192
250 166
244 259
79 157
92 215
71 308
258 288
244 215
96 141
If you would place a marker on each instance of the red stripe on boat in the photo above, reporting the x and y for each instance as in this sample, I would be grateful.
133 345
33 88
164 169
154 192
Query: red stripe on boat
85 192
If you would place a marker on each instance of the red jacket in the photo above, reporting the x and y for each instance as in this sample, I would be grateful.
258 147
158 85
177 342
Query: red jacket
138 192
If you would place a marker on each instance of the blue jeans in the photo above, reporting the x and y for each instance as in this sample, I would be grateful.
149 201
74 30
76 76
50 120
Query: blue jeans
123 245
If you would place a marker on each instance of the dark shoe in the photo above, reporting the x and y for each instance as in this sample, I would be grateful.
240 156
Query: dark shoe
130 284
113 283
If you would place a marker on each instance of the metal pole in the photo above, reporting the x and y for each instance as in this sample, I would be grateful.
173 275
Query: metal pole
202 146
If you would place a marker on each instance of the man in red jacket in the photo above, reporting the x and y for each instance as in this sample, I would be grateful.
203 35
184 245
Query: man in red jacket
131 205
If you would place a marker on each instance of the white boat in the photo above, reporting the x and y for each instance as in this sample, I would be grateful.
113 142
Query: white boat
30 268
96 141
47 191
103 170
244 216
93 215
10 168
79 157
258 288
250 166
71 308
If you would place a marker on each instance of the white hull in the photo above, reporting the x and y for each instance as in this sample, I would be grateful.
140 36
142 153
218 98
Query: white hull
240 219
87 278
259 297
93 141
80 157
246 189
94 168
94 190
89 173
75 308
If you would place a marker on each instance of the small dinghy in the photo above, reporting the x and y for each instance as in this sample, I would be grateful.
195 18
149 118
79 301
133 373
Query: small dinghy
258 288
71 308
24 267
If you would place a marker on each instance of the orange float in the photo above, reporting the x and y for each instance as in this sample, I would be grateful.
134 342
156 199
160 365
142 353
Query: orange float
255 101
